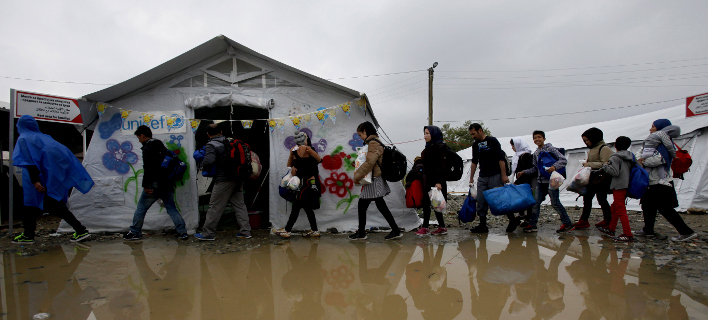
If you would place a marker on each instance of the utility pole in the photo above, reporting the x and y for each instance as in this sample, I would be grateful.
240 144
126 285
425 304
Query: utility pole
430 94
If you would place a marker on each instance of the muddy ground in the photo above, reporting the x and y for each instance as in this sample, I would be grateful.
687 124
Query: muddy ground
688 258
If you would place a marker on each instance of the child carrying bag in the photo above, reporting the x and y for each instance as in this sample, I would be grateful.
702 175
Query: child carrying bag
509 199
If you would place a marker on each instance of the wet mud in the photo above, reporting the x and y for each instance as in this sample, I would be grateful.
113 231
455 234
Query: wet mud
457 276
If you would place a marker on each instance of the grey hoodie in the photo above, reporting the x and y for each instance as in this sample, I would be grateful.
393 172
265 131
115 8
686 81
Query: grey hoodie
619 167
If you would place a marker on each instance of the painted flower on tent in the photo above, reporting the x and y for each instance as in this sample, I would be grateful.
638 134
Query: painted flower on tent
107 128
339 184
356 142
119 156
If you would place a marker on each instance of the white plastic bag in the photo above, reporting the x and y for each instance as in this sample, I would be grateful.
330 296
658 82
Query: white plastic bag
556 180
294 183
473 191
583 177
360 159
286 178
437 200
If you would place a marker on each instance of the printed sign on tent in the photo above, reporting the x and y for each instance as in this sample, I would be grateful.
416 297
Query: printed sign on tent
47 108
195 124
247 124
697 105
161 122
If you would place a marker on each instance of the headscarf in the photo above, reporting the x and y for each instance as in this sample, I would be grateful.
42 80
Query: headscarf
521 147
594 135
59 169
436 136
661 123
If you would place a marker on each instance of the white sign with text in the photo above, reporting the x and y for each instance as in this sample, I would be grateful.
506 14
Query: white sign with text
47 108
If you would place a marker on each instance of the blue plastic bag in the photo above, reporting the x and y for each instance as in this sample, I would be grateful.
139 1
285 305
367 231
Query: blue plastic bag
198 156
469 210
547 160
509 199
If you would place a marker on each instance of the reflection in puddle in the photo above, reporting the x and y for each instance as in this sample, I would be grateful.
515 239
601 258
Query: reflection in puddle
485 277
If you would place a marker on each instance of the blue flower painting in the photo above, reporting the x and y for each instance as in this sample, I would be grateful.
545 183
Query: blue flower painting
120 156
107 128
356 142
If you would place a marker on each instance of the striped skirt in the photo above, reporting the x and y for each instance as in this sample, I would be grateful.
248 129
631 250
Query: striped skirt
377 189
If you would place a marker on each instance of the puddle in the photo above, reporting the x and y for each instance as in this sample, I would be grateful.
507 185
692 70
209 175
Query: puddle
487 277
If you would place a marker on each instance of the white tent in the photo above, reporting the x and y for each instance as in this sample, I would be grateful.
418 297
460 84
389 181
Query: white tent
223 80
692 192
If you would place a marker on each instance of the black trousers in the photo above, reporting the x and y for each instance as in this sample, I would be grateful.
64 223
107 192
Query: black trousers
297 205
601 199
663 199
383 208
57 208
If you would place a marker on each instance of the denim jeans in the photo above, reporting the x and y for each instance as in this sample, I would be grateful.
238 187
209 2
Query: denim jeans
146 200
541 191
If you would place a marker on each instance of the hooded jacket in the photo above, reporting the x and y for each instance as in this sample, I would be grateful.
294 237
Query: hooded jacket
215 155
59 170
154 176
598 155
560 164
619 167
373 159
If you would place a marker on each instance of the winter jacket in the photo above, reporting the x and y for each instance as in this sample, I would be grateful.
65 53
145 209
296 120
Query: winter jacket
154 177
619 167
434 164
560 164
657 171
599 155
215 155
373 159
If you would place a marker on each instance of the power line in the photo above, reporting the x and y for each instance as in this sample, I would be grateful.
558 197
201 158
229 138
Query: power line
581 81
578 68
58 81
378 75
576 112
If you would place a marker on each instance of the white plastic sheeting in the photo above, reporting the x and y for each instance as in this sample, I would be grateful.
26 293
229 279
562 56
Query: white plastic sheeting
692 192
211 100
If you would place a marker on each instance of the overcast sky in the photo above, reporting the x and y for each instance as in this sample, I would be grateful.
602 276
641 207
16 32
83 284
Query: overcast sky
497 59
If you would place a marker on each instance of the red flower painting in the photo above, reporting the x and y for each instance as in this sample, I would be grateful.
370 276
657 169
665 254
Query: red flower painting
339 184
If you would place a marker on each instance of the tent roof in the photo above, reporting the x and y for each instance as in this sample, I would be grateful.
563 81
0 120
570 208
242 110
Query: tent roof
212 48
634 127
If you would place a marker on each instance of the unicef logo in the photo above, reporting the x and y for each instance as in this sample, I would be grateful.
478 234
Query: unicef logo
175 122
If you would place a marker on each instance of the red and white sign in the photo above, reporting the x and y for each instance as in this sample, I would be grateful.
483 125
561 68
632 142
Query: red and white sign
47 108
697 105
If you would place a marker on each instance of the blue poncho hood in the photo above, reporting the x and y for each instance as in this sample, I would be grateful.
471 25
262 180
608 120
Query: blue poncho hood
59 169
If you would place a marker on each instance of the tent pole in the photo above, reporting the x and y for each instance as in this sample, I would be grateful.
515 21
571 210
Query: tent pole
11 171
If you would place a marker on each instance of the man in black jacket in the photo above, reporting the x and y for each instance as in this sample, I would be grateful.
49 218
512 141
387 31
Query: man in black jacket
156 185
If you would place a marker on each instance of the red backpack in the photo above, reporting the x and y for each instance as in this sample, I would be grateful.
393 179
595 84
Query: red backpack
238 159
681 163
414 195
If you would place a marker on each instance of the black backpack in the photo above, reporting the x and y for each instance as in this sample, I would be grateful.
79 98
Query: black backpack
394 166
454 166
508 165
173 167
238 159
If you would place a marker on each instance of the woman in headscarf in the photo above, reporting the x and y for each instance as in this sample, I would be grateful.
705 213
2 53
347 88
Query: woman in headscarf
434 168
522 160
661 195
598 155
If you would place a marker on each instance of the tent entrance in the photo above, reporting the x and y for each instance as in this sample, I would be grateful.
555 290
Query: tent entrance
256 191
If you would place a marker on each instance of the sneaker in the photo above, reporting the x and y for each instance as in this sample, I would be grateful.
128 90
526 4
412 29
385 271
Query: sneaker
530 228
201 237
582 224
80 236
284 234
603 224
684 238
182 236
439 231
277 232
243 236
357 236
606 231
480 229
313 234
422 231
565 228
22 239
524 224
641 233
623 238
396 235
513 223
130 236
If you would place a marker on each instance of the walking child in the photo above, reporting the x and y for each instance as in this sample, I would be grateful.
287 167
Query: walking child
619 167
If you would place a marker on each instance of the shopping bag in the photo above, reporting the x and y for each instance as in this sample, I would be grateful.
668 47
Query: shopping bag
510 198
286 178
415 194
294 183
437 199
469 209
582 178
473 191
556 180
575 187
360 159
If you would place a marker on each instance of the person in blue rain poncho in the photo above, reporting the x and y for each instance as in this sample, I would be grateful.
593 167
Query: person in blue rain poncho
49 171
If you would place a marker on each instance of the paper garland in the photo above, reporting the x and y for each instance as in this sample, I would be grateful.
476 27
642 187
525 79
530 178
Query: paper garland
247 124
308 119
281 125
271 125
321 117
101 107
333 115
195 124
148 117
296 121
124 115
345 108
